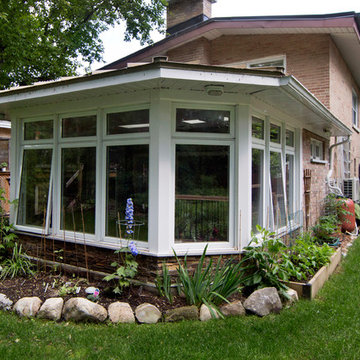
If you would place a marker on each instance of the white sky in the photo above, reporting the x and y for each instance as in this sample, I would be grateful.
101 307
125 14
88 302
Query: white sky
115 48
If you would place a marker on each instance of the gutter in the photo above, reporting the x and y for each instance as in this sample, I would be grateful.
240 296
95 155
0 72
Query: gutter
295 89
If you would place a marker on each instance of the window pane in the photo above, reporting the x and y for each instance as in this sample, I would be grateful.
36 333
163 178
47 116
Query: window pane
289 138
257 128
277 190
275 134
202 193
128 122
78 170
36 130
34 188
79 126
127 177
207 121
290 184
257 187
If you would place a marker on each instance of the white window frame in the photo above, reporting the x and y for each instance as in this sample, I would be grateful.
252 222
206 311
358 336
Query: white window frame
215 139
314 144
267 146
33 228
142 245
251 64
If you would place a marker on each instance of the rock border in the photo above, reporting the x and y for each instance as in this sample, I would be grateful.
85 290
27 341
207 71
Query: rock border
79 309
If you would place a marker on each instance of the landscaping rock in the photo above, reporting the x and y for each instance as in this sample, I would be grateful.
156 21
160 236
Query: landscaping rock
51 309
147 314
182 313
235 308
27 306
263 302
206 314
120 312
5 302
293 297
81 309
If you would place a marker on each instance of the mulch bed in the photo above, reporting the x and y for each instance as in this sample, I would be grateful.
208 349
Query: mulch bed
46 285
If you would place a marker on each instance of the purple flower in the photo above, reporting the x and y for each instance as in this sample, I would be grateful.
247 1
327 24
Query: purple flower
133 249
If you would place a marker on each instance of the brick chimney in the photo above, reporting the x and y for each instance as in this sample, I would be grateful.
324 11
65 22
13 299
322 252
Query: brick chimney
184 13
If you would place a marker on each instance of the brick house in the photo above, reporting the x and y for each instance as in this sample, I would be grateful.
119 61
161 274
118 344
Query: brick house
209 131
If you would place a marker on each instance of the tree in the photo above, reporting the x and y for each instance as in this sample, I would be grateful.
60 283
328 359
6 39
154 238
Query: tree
45 39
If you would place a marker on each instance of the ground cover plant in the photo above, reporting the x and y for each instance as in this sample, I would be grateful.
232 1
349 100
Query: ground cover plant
326 328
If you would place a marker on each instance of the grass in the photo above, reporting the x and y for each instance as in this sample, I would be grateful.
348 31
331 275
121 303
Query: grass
326 328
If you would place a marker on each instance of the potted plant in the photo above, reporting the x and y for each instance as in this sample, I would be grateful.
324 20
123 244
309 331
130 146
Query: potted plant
3 166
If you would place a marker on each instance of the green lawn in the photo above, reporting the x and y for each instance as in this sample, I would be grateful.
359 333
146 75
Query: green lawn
326 328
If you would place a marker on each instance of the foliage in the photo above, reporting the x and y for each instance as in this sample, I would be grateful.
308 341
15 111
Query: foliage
208 284
126 269
270 262
323 231
326 328
45 39
266 262
308 257
18 265
163 284
68 289
7 236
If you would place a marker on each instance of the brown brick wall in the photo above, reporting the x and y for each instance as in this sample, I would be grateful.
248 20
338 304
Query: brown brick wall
183 10
341 86
196 52
307 56
318 175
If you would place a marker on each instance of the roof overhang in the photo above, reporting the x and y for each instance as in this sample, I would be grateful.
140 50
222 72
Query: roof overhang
342 27
274 89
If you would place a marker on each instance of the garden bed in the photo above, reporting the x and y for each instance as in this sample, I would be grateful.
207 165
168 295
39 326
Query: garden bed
311 288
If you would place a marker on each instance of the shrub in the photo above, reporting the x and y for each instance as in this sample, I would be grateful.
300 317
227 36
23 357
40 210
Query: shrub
19 264
163 284
266 262
209 284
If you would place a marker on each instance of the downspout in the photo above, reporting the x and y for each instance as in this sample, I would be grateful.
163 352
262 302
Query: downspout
328 176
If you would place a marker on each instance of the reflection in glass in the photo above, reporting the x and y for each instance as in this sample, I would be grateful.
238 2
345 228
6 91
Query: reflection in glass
257 188
36 130
34 188
127 177
277 190
79 126
128 122
202 193
289 138
78 170
290 183
205 121
257 128
275 133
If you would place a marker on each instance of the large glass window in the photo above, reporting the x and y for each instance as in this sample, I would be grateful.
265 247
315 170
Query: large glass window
34 187
127 177
257 187
78 170
290 184
277 190
202 193
128 122
204 121
36 130
79 126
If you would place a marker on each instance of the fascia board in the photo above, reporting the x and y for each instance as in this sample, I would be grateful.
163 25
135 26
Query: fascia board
295 89
219 77
67 88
